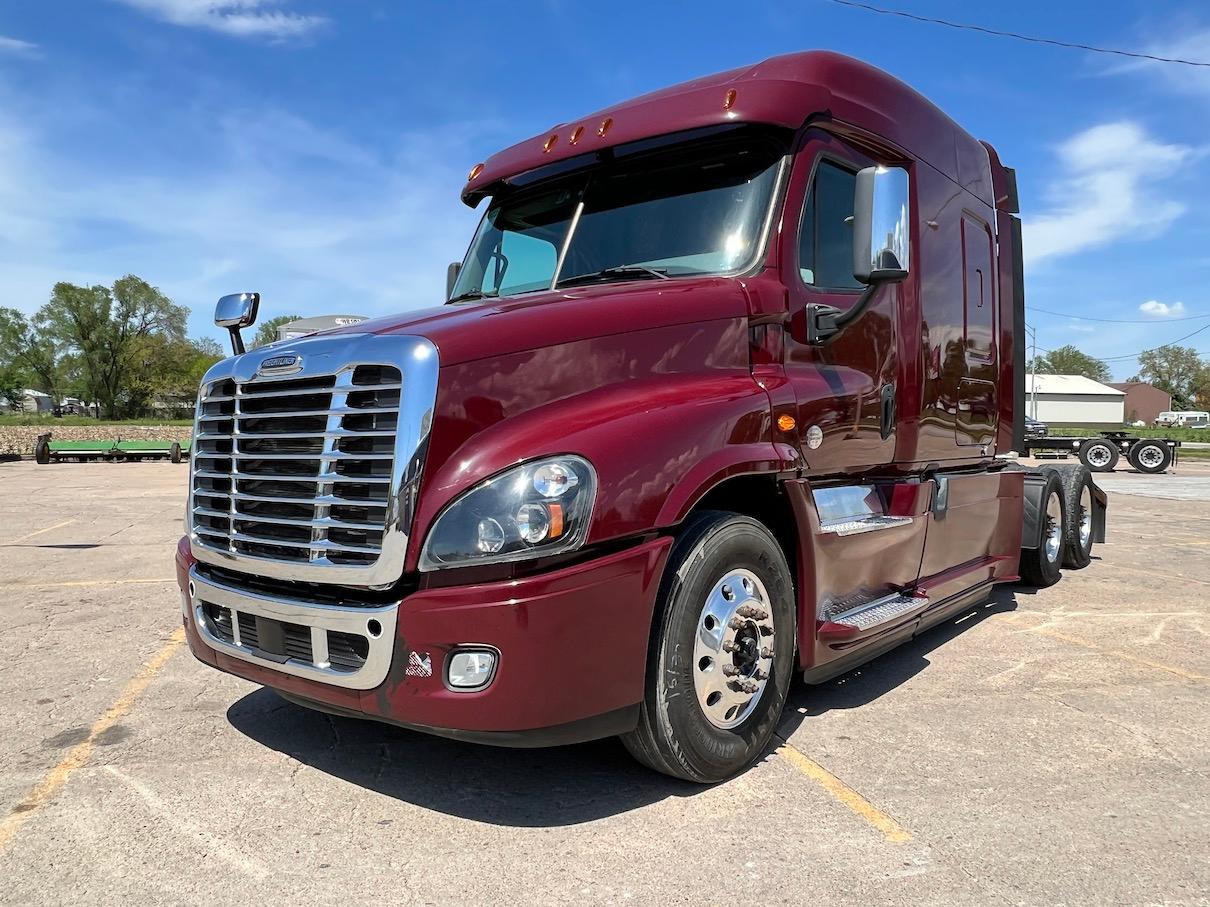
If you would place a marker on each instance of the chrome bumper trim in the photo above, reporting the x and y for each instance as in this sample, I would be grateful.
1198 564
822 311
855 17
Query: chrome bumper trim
319 618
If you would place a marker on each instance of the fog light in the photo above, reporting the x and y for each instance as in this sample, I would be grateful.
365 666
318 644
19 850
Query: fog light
471 670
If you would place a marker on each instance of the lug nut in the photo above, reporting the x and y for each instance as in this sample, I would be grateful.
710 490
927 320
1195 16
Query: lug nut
766 631
766 652
744 686
729 646
730 670
735 623
758 674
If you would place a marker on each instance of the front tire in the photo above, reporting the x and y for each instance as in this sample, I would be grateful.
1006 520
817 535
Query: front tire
722 651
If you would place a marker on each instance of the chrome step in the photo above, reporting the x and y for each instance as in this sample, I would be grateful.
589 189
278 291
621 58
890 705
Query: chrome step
866 524
880 611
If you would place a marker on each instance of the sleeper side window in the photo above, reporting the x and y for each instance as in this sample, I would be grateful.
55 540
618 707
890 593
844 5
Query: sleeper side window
825 238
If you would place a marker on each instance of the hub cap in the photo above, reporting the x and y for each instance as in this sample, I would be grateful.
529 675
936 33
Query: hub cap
1053 528
1085 517
733 648
1098 455
1151 456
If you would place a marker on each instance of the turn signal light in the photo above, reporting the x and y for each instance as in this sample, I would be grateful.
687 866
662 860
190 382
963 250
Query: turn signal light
604 127
576 133
786 422
729 99
475 171
550 141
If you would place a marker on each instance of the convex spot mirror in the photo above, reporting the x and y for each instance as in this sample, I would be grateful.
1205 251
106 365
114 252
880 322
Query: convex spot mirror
238 310
881 226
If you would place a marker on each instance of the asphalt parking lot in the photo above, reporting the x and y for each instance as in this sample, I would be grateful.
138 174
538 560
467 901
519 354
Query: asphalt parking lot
1049 748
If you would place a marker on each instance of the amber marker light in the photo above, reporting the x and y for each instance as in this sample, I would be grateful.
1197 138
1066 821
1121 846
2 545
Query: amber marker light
575 135
550 141
475 171
556 520
604 127
786 422
729 99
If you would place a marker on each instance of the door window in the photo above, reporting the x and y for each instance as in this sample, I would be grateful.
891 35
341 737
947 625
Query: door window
825 239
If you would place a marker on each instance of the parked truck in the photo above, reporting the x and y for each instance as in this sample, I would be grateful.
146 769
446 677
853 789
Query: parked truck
725 390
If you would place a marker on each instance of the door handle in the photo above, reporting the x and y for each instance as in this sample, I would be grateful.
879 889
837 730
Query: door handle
887 401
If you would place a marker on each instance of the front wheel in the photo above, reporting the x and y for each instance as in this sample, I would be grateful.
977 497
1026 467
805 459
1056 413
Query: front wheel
722 652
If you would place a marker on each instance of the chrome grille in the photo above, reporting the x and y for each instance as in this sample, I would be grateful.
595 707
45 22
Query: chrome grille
297 469
312 475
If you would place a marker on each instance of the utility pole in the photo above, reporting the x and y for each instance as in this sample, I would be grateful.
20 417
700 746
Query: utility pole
1033 384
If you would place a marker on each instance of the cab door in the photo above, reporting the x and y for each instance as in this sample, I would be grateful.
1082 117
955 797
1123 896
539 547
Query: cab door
845 387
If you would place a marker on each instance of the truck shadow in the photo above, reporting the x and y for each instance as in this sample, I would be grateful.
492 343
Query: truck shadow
552 787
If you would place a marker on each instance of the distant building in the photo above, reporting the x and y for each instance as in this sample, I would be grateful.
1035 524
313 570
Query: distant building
1144 401
1074 400
304 326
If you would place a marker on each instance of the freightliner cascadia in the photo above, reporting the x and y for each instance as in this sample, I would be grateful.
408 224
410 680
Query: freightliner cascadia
725 390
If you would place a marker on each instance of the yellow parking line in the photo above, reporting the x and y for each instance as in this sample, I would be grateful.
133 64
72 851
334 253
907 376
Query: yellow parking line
86 582
891 830
78 754
39 532
1125 656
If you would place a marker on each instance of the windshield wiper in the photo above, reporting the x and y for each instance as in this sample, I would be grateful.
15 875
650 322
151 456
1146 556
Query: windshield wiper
473 294
622 272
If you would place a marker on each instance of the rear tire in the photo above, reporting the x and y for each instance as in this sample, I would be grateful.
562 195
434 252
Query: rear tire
724 572
1040 566
1099 456
1150 457
1078 509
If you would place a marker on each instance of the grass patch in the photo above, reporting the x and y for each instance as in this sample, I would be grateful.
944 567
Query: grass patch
50 422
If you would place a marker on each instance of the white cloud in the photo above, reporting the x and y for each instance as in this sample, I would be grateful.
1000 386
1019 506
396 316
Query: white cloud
317 221
1158 309
1107 191
238 18
18 47
1190 44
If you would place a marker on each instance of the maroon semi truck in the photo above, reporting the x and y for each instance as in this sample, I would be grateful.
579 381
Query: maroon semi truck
725 390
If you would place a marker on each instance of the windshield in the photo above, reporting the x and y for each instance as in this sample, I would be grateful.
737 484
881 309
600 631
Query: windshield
697 209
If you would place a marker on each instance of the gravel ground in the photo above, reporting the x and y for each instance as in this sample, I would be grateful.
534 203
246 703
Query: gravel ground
1047 748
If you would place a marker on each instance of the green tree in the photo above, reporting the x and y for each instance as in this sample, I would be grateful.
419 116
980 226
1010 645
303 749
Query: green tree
1067 360
29 352
1179 371
266 333
116 339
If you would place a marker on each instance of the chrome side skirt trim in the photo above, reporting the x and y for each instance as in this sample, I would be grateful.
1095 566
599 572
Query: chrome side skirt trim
320 619
881 611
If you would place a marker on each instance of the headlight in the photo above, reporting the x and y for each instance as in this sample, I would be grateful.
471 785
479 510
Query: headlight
534 510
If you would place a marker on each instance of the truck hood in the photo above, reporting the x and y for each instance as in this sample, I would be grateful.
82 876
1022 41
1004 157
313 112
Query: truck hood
469 331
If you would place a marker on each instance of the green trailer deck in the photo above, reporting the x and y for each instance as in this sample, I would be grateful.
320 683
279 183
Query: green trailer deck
49 451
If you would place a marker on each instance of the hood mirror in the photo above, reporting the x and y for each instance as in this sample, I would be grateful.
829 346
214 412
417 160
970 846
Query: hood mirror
236 311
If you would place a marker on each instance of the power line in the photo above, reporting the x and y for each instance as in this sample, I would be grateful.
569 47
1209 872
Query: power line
1119 320
1154 348
1008 34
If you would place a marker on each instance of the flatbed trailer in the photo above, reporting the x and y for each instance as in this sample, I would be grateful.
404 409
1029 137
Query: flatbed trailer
1101 453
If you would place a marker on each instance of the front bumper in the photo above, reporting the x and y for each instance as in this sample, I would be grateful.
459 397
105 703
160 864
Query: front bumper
572 644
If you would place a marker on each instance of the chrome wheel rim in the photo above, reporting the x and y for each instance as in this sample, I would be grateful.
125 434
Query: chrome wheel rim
1053 528
1151 456
1085 517
1098 455
733 648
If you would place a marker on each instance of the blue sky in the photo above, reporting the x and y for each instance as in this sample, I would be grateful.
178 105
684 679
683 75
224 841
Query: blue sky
313 149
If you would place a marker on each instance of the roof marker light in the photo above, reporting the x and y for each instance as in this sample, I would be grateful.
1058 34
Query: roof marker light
729 99
475 171
604 127
550 141
576 133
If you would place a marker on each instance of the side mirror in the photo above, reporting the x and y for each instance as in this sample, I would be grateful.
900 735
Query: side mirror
451 277
236 311
882 230
881 226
